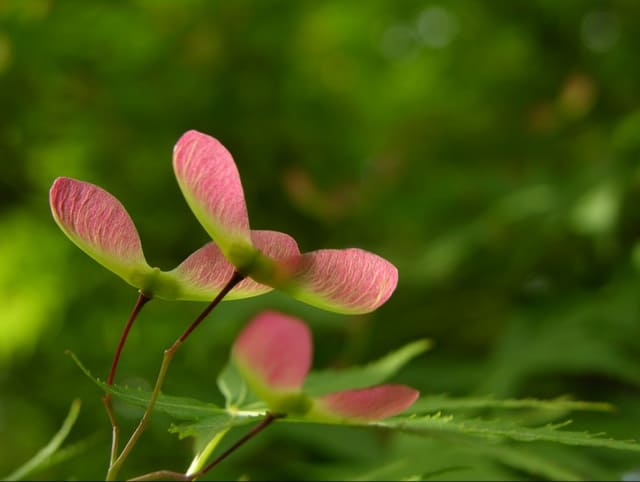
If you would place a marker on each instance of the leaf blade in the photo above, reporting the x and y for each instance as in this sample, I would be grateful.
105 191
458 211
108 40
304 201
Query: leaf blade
439 424
48 450
182 408
327 381
435 403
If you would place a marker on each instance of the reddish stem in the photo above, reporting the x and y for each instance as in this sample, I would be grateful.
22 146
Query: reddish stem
166 360
171 475
248 436
161 475
141 301
115 429
235 279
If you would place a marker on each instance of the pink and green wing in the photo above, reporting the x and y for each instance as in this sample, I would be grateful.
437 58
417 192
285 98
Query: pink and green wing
365 404
203 274
274 244
273 353
99 225
350 281
210 183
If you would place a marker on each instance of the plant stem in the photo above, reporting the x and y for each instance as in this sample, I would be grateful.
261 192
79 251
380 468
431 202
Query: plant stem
140 302
166 360
201 457
162 475
115 429
168 474
248 436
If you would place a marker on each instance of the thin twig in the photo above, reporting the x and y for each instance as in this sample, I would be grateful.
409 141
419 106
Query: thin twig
162 475
166 360
115 428
171 475
248 436
140 302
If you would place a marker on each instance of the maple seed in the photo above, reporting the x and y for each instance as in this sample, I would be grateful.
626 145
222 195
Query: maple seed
273 354
347 281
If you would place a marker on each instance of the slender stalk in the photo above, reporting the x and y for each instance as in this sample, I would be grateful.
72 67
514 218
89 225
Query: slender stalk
115 428
166 360
162 475
201 457
235 279
248 436
140 302
171 475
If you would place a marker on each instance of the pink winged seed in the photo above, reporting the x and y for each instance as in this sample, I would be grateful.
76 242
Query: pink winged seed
209 177
95 219
206 271
275 244
278 350
373 403
346 280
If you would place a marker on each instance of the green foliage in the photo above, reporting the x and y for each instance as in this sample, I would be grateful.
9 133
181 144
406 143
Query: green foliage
207 421
492 158
177 407
436 403
233 388
319 383
433 425
44 456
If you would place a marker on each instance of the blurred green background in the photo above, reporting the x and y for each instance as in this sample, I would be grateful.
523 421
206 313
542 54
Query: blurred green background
488 149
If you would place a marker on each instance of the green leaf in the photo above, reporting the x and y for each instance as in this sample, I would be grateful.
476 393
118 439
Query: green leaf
390 471
215 424
436 403
204 445
439 424
71 451
210 425
322 382
525 460
234 389
177 407
437 473
44 454
211 418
